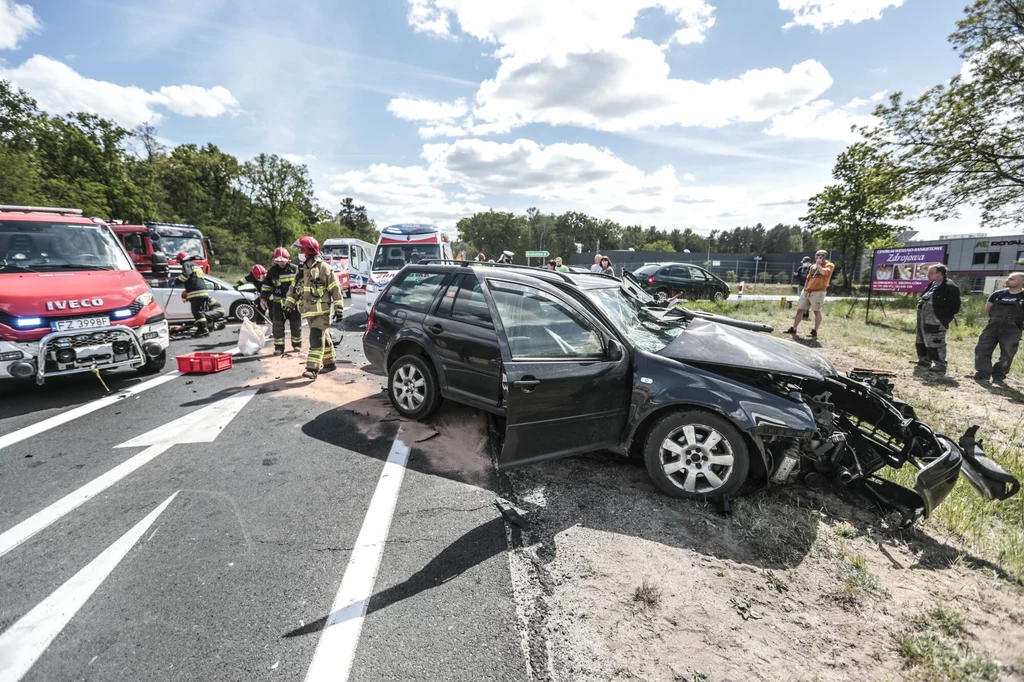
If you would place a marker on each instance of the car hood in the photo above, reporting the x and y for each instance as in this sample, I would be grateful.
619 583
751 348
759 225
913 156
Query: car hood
26 294
712 343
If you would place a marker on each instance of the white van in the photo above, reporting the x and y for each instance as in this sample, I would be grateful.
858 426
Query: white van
346 257
400 245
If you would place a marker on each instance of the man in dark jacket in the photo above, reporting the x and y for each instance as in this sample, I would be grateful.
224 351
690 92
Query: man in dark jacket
195 292
275 288
938 304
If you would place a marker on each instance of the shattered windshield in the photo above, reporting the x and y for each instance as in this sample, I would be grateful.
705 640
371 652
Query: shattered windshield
646 328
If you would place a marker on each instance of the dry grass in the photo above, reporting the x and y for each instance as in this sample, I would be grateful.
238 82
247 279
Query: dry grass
647 594
990 530
935 648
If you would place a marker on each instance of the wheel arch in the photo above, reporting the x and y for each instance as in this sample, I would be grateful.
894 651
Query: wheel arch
406 345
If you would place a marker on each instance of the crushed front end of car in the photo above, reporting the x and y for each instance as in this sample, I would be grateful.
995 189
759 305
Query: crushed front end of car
863 428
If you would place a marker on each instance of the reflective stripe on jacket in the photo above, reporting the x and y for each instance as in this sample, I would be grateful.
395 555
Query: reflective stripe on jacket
315 289
278 281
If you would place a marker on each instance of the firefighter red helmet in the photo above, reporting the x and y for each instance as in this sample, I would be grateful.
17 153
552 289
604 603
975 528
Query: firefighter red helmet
181 257
258 271
281 252
309 246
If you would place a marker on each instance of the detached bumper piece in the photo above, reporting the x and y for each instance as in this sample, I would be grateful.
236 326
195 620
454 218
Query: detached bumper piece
990 480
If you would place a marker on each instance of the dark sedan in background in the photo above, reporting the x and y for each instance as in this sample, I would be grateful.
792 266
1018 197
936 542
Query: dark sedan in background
665 280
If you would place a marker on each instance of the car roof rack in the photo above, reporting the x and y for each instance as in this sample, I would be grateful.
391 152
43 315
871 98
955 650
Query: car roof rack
147 223
513 266
40 209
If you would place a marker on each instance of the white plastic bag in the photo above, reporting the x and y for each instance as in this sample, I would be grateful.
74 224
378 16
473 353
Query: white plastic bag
251 338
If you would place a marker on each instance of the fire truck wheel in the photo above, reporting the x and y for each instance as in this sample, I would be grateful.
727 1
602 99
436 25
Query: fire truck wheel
154 365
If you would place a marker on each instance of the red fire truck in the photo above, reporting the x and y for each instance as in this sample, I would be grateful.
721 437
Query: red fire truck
142 241
70 298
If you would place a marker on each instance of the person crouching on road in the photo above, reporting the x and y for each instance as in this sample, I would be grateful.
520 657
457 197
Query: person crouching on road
195 292
273 293
1005 310
813 296
255 277
938 304
315 289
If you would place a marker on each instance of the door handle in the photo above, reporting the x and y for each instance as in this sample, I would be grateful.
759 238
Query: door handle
435 329
527 385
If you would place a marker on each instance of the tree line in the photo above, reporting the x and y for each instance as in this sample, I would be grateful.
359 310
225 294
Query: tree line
81 160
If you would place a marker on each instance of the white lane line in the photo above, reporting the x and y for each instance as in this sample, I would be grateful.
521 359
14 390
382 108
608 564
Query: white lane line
40 520
82 410
337 646
25 641
201 426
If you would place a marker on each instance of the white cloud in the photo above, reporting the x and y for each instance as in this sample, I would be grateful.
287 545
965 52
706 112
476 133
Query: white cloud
299 159
16 22
427 110
822 14
426 17
689 177
60 89
565 62
823 120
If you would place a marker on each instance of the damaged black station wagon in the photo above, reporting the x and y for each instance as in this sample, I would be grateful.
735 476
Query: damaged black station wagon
580 362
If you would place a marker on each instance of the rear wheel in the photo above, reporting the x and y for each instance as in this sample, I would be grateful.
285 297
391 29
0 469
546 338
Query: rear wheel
696 454
413 387
154 365
661 295
348 292
718 296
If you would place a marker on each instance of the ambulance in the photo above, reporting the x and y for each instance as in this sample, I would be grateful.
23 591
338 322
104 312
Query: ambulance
398 246
346 257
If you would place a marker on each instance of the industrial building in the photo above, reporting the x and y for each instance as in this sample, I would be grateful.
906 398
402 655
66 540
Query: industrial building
975 257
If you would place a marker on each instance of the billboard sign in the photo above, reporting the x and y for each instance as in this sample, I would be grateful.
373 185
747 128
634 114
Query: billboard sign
905 270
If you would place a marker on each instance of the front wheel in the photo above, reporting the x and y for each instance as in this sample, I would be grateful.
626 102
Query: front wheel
153 365
243 310
348 292
697 455
413 387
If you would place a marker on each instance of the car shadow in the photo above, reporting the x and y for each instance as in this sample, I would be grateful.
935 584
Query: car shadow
20 397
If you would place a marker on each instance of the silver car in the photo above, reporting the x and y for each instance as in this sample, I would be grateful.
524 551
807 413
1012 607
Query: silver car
240 304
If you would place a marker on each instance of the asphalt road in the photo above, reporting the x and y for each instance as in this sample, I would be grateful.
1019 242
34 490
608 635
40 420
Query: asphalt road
214 547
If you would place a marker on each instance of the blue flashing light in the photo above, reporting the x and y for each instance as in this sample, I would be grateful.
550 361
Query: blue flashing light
27 322
121 314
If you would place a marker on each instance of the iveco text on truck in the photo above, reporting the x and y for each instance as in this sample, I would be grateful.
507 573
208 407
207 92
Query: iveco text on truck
71 300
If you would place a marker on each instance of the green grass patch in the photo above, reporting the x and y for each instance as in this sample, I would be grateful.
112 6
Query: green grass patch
933 648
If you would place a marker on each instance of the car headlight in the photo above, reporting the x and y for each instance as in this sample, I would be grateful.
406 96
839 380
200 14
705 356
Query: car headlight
145 299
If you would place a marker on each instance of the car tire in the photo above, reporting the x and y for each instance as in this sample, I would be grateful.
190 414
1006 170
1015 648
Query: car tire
348 292
718 297
661 295
691 470
243 310
153 365
413 387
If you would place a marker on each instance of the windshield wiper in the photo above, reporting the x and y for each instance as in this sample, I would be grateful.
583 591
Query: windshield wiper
8 266
73 266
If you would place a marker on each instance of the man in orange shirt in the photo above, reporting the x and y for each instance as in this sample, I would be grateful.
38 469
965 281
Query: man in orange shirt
813 295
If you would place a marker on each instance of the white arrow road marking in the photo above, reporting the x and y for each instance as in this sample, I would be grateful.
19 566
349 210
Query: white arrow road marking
201 426
81 411
337 646
25 641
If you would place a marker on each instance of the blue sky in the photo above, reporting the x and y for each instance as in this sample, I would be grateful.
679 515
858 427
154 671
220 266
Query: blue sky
677 113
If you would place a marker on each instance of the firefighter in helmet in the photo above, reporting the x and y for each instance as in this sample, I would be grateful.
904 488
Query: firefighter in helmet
195 293
278 281
314 291
255 277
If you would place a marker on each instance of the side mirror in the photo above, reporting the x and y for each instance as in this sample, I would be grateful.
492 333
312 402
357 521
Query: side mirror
613 350
364 267
160 269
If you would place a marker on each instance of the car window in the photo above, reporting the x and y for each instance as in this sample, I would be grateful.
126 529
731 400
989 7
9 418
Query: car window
539 326
646 270
680 271
415 290
470 304
698 274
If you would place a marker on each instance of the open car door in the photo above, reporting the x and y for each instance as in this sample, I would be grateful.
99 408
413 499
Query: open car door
567 381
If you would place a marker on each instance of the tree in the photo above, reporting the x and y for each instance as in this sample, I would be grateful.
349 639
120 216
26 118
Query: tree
661 246
963 143
861 208
278 190
355 223
494 232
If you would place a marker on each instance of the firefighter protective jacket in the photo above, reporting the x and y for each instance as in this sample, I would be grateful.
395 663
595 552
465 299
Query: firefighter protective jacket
315 288
278 281
192 277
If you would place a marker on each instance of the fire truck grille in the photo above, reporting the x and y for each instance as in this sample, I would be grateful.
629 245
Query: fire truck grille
87 339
